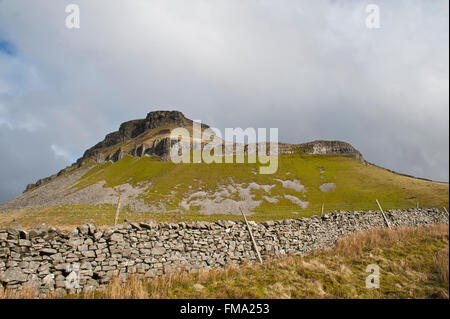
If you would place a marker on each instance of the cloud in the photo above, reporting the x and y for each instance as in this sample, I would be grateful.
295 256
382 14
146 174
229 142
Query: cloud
27 122
61 153
310 68
29 125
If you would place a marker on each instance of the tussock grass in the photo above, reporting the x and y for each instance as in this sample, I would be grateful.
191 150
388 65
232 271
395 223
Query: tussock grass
27 292
440 263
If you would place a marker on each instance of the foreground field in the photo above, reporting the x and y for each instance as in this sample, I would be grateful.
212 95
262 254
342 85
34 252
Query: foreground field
190 192
414 263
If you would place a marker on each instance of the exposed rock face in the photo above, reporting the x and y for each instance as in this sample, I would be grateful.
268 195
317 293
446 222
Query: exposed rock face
100 158
132 129
117 156
29 187
328 147
140 150
165 118
86 258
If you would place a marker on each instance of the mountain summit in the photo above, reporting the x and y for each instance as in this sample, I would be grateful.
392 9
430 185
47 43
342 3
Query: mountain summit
157 123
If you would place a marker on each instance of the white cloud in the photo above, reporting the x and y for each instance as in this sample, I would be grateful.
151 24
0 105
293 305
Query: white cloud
60 152
27 122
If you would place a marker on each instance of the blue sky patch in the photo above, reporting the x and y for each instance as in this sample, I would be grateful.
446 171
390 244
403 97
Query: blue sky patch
7 47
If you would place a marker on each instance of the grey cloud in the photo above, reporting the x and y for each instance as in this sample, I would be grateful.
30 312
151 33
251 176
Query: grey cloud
310 68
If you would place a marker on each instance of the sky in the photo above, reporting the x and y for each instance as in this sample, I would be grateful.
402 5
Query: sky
312 69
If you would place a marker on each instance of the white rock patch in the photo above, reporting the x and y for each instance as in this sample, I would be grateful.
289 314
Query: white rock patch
270 199
326 187
297 201
292 184
220 202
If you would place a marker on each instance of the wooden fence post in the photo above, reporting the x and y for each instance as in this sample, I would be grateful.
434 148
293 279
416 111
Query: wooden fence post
116 218
251 236
382 212
321 214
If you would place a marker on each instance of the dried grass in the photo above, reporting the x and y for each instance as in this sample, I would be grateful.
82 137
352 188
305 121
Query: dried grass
355 244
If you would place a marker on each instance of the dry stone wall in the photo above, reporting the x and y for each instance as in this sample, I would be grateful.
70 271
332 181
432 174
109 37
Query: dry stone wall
86 258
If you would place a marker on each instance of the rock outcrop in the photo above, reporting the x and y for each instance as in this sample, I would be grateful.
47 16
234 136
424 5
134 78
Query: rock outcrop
331 147
134 128
321 147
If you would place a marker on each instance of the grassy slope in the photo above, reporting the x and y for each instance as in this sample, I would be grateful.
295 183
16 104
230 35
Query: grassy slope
413 264
357 187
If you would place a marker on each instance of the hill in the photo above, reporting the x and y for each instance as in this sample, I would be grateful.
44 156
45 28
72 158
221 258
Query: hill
133 163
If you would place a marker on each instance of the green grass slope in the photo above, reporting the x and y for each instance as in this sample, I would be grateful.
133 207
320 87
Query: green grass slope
357 186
